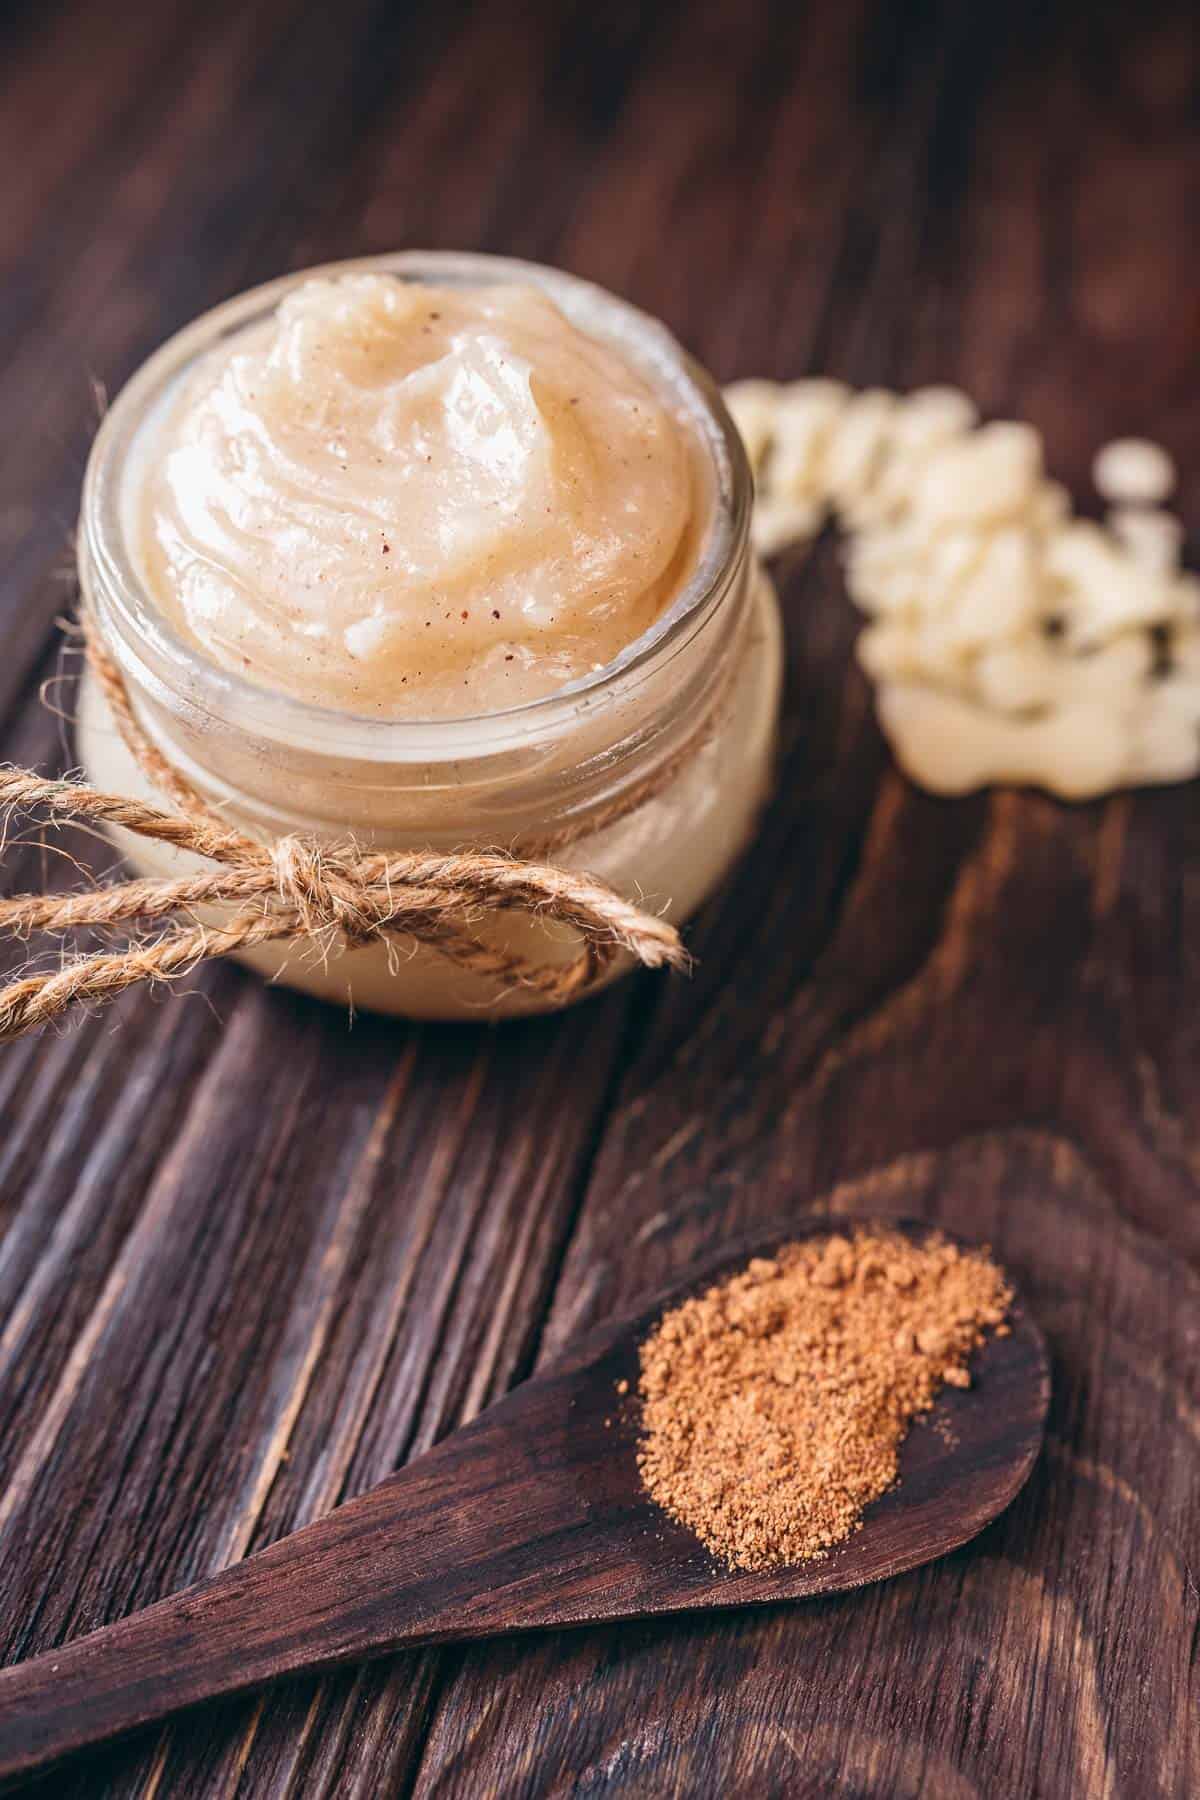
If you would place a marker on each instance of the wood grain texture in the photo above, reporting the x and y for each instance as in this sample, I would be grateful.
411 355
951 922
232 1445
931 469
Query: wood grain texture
253 1260
533 1515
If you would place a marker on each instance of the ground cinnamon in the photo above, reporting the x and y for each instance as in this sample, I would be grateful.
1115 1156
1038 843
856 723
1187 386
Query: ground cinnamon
775 1403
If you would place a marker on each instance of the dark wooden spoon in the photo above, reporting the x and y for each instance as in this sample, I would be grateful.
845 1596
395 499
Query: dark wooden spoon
531 1516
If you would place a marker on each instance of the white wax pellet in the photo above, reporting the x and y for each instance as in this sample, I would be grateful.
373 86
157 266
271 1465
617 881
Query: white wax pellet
1184 648
992 474
934 415
1001 596
1050 506
950 559
1166 732
1016 677
883 571
856 445
1133 471
1185 593
1033 672
1104 591
1116 671
752 406
950 746
1153 539
807 413
922 422
960 550
888 651
898 650
775 524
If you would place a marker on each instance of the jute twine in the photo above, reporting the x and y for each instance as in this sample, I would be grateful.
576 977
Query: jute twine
298 889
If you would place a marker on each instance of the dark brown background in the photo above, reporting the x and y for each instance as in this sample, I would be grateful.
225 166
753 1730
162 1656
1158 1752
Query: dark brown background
254 1259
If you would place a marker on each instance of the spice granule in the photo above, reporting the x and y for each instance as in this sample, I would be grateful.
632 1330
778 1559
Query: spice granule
774 1404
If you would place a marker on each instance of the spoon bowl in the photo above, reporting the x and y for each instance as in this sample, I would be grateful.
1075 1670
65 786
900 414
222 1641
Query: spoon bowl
532 1516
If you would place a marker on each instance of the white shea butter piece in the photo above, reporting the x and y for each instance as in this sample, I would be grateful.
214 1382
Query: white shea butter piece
807 416
857 447
990 475
1166 734
1133 471
753 406
1153 539
1001 596
1028 675
776 524
1103 589
950 746
1008 640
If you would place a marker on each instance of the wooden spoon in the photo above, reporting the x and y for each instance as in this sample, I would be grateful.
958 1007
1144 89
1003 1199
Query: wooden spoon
533 1515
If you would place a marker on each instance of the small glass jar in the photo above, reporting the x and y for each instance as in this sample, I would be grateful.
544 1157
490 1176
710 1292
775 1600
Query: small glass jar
685 716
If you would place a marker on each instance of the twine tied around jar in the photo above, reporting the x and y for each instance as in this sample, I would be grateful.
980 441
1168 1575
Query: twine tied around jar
298 889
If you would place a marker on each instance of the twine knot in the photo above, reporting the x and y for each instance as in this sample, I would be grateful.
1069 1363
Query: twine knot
322 886
297 889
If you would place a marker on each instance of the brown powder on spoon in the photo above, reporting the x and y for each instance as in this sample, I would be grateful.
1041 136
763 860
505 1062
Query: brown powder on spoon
775 1403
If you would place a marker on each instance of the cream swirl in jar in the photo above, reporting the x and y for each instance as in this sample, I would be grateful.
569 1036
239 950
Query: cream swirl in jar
428 552
419 501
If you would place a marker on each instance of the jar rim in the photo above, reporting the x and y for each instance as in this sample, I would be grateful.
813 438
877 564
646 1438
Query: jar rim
162 660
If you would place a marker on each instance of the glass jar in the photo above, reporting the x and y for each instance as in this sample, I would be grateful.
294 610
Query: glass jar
649 773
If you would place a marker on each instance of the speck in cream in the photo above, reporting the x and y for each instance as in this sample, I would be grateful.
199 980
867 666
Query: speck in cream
409 500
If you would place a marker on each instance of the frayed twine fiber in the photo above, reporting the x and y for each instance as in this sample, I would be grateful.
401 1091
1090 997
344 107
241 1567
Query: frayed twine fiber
296 889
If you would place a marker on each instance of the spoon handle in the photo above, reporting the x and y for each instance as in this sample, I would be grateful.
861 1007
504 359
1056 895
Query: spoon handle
534 1515
452 1546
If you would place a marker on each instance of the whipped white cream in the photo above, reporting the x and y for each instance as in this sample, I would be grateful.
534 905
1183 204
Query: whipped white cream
404 500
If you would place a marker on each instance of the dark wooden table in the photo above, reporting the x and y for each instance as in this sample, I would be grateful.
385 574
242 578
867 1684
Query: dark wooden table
254 1259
